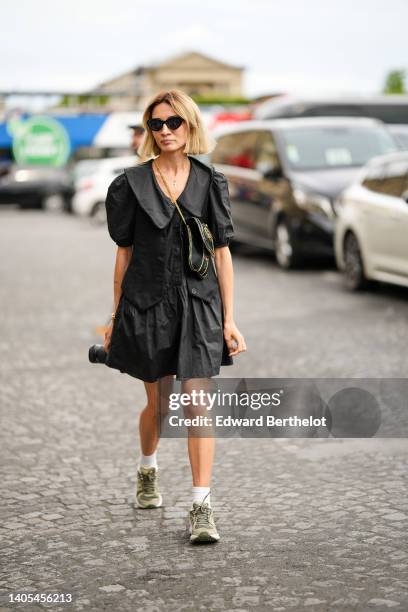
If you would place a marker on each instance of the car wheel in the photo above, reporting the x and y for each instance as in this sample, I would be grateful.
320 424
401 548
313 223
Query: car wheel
54 202
98 214
353 264
285 252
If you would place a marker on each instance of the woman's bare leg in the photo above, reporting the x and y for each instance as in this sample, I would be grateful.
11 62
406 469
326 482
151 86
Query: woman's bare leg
147 491
201 449
201 453
149 417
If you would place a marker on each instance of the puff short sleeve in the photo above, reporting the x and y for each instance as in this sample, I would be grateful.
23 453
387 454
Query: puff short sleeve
219 211
120 211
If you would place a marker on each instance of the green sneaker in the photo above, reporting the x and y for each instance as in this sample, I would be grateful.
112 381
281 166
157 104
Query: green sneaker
202 524
147 491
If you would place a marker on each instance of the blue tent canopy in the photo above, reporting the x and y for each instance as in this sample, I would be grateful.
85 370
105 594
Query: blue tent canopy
82 129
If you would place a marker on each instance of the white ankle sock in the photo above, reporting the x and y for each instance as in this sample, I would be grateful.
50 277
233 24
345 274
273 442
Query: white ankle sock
148 460
199 493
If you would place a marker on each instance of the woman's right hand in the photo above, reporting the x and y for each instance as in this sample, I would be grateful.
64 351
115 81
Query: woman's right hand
108 334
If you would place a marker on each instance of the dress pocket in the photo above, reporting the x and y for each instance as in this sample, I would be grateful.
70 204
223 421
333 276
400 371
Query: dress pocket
204 291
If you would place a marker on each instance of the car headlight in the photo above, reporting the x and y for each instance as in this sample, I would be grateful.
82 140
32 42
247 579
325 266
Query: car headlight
313 202
20 176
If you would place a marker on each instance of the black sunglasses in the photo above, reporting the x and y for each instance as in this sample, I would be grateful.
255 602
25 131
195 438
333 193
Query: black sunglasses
172 123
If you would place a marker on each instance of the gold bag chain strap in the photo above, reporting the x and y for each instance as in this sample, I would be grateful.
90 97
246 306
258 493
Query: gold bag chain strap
173 199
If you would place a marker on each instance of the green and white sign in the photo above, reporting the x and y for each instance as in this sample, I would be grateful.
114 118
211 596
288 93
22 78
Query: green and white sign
40 140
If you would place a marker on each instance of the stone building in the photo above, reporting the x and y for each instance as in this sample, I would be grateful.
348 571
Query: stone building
193 72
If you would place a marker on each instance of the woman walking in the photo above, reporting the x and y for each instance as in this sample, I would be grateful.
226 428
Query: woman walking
168 321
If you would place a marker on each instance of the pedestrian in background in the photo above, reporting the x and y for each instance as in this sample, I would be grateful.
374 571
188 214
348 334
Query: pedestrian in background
138 133
166 321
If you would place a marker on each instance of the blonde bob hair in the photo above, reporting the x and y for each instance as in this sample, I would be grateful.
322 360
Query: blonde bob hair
198 139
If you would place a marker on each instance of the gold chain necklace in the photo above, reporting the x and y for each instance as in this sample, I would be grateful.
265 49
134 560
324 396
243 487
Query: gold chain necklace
172 198
161 174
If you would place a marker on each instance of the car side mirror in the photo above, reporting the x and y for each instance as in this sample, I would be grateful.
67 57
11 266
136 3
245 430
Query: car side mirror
273 173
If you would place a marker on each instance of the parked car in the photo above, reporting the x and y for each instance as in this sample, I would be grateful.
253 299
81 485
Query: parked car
392 109
371 235
36 187
285 174
91 179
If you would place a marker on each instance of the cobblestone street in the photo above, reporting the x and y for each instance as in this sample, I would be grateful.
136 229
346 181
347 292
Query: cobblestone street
317 525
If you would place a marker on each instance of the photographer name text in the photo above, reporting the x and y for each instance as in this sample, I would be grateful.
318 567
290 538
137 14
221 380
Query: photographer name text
260 421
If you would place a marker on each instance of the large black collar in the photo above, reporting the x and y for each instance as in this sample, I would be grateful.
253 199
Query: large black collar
161 209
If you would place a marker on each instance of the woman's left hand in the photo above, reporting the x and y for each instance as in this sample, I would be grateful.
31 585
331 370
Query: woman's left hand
234 339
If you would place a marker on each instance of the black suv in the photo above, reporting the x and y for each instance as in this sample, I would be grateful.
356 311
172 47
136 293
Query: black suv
285 174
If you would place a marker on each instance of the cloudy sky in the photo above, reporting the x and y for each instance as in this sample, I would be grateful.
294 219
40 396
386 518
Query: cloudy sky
338 46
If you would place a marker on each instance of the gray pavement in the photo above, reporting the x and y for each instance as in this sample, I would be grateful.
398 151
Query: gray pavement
315 525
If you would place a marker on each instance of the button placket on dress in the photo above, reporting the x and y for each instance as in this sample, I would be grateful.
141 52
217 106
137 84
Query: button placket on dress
174 260
178 250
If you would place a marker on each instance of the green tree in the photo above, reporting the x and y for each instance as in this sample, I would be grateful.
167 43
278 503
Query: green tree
223 99
395 82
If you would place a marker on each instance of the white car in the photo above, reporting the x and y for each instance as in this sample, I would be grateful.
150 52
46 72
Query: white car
92 178
371 232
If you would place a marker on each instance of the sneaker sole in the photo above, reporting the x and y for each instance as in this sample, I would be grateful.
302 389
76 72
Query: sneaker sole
204 537
150 506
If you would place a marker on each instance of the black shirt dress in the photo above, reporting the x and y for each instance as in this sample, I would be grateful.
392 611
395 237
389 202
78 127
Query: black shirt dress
181 334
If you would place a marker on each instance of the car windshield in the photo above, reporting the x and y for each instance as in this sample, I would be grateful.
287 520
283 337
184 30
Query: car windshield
335 147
